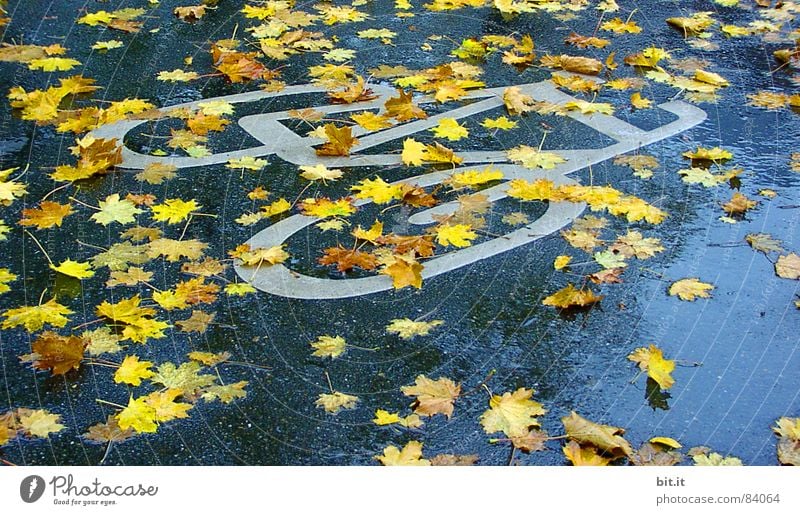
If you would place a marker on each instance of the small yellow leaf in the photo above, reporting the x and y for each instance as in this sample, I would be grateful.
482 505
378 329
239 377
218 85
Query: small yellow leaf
690 289
408 329
74 269
512 413
132 371
561 262
329 346
458 235
138 415
333 402
652 361
450 129
410 454
174 210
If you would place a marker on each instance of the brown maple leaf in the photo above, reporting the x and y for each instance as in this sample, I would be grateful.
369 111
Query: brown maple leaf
345 259
340 141
47 215
108 432
354 92
58 353
422 245
433 396
197 291
402 108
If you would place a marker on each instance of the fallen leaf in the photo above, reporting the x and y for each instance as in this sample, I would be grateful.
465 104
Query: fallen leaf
608 439
433 396
690 289
60 354
40 423
652 361
329 346
512 413
407 329
569 296
788 266
333 402
410 454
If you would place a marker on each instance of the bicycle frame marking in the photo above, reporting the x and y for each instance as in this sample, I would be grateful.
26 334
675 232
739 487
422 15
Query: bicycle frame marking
279 140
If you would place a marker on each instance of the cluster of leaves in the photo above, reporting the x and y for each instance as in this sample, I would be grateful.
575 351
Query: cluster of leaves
515 415
145 237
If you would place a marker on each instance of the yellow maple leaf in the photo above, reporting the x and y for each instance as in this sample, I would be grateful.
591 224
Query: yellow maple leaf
620 27
607 439
371 121
530 157
144 328
569 296
6 277
246 163
329 346
450 129
138 415
177 75
226 393
561 262
132 371
169 300
471 178
279 206
715 154
47 215
413 152
239 289
112 209
640 102
35 317
378 190
512 413
433 396
40 422
325 207
409 455
652 361
264 256
384 418
165 407
126 311
53 64
590 107
501 123
320 172
458 235
690 289
174 210
404 269
74 269
584 456
371 235
333 402
407 329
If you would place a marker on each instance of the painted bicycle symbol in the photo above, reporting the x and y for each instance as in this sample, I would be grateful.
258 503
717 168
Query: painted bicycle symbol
277 139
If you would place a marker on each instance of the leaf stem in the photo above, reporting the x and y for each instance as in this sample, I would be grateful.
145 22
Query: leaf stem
46 255
114 404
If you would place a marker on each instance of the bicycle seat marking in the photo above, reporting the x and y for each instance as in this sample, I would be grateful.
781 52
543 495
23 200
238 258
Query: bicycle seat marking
277 139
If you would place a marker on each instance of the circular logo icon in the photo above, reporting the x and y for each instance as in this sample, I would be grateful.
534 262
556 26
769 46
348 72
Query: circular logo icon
31 488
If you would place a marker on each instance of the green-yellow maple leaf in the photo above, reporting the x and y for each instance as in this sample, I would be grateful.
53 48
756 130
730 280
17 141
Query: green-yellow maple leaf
114 209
